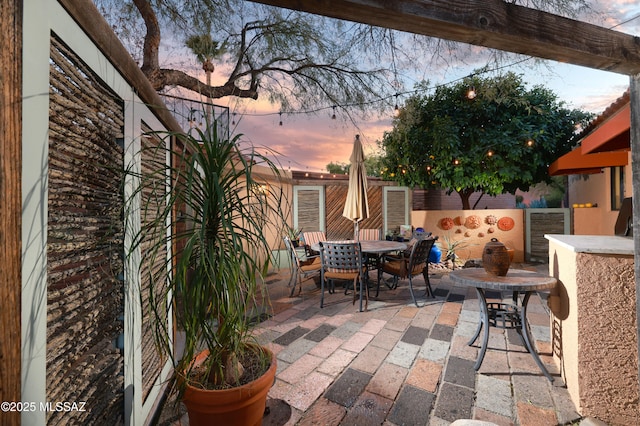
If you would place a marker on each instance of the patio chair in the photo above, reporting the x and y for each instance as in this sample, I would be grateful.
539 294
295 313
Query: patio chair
403 267
309 238
301 268
372 261
342 260
370 234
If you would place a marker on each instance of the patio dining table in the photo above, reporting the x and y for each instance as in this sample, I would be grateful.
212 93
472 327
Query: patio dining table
374 246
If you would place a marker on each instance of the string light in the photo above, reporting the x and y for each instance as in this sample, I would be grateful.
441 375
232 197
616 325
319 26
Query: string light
529 142
233 121
471 93
333 117
490 153
280 113
396 109
386 98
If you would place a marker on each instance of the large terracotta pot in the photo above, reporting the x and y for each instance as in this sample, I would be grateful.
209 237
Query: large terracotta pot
495 258
243 405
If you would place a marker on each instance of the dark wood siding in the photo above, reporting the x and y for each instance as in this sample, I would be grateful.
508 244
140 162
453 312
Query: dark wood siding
85 299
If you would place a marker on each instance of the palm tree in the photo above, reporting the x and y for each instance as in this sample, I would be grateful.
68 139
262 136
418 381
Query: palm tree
206 49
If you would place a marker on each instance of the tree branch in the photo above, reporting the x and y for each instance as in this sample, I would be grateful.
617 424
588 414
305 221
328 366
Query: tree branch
170 77
150 61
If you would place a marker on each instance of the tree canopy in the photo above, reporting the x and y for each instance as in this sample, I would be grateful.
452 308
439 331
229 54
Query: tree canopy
295 60
372 163
501 138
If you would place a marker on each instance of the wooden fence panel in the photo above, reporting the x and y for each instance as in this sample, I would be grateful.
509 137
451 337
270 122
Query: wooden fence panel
338 226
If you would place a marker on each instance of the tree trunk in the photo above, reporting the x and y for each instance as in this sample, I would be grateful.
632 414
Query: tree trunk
465 195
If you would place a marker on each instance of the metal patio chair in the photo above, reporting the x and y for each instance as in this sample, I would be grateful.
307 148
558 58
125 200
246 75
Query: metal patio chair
343 260
403 267
301 268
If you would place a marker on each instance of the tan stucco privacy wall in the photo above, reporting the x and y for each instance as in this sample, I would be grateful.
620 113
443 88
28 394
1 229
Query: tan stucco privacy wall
474 228
595 190
594 221
593 323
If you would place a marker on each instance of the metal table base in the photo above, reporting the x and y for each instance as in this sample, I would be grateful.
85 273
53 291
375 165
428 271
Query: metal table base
505 316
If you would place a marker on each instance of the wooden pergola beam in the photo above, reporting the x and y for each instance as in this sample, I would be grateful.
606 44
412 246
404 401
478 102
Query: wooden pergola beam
491 23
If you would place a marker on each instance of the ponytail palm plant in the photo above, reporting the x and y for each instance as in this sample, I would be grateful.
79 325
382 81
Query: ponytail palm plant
220 202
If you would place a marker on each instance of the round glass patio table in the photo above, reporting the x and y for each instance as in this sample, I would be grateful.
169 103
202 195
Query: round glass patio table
504 315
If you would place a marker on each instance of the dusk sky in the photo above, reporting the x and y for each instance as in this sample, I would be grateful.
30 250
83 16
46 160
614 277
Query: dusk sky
308 142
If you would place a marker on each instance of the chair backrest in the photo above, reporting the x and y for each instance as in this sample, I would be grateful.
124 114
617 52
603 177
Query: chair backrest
313 237
370 234
292 253
420 252
341 256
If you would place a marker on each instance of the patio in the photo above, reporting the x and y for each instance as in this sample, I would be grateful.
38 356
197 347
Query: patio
397 364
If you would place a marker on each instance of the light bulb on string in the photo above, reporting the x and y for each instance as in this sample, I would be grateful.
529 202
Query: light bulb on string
333 117
280 114
396 109
233 121
471 93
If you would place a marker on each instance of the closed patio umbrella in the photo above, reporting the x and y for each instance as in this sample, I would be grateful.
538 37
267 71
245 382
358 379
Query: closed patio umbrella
356 207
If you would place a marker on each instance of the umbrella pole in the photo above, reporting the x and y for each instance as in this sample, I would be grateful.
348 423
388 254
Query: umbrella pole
356 231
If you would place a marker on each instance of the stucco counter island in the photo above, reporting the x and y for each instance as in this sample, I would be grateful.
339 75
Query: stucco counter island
593 323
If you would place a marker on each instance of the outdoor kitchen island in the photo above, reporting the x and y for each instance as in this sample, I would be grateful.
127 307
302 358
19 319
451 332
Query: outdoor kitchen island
593 324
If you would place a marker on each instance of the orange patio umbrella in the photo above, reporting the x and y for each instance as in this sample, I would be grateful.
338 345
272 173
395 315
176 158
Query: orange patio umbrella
356 207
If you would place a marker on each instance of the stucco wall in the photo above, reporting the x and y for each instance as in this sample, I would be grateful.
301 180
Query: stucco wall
594 221
595 189
594 333
474 238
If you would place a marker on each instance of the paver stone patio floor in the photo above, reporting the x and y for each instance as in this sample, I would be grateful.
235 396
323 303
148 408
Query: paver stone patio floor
397 364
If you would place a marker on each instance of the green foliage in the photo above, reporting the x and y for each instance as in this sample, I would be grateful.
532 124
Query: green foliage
373 164
220 251
449 247
338 168
499 141
204 47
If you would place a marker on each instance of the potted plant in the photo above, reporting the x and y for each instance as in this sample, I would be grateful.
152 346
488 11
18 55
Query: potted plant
451 247
217 214
294 236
